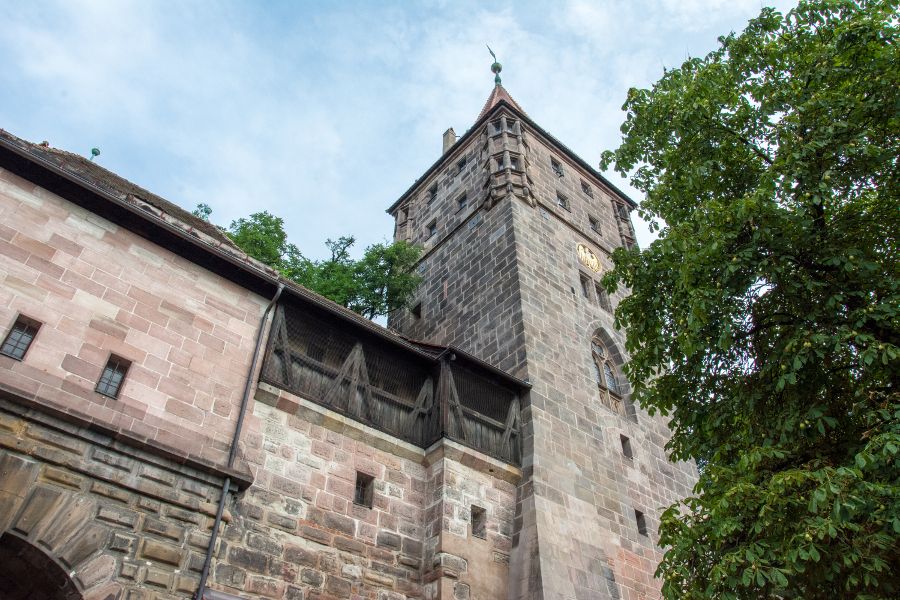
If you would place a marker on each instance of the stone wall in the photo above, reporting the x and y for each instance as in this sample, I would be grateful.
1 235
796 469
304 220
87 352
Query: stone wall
99 289
124 523
575 533
469 293
297 533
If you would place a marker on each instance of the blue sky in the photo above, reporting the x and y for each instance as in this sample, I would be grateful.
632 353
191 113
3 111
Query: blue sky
325 112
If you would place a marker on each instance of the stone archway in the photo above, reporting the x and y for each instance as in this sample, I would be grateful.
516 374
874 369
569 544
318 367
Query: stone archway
26 573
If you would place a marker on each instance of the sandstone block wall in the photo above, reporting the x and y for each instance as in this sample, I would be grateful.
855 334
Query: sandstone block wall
296 533
120 522
98 289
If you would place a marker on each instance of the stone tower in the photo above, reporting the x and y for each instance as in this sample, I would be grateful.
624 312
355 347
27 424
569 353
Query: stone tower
517 231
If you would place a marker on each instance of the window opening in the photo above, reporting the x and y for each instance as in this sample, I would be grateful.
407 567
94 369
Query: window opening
641 521
460 165
602 297
365 490
585 286
479 522
19 338
594 224
587 189
432 229
432 193
562 201
557 167
626 446
416 310
461 201
514 163
497 127
605 377
110 382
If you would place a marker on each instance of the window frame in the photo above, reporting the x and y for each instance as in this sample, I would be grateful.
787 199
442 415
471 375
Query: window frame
115 364
557 167
563 202
431 229
587 189
364 490
606 376
593 224
23 325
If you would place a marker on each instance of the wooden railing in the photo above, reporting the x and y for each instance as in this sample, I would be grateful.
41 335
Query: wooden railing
417 398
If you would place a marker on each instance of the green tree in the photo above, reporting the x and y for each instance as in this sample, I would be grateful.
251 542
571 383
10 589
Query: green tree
765 319
380 282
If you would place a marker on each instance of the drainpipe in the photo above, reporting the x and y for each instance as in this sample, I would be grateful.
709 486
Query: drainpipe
226 485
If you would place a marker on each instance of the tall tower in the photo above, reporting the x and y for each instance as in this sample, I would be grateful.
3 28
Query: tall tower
517 231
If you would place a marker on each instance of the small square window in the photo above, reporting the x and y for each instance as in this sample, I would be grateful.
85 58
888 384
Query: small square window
432 193
19 338
497 127
585 285
626 446
110 383
416 310
462 202
431 229
365 490
514 163
562 201
594 224
479 522
641 521
511 125
587 189
602 297
557 167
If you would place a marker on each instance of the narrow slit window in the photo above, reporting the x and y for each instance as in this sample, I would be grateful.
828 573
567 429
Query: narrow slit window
514 163
432 193
462 202
19 338
595 224
431 229
626 446
113 376
479 522
499 160
365 490
460 165
641 521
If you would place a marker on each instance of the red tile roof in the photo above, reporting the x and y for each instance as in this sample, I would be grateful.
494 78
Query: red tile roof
497 94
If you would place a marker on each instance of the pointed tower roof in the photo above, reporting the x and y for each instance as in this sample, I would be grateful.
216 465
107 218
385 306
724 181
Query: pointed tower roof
497 94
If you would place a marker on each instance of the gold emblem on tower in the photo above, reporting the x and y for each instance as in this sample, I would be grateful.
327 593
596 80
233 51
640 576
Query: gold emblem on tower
588 258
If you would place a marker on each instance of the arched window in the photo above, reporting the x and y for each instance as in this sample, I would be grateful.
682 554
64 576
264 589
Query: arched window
605 376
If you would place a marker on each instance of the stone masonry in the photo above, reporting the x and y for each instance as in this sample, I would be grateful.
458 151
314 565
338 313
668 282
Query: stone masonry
502 280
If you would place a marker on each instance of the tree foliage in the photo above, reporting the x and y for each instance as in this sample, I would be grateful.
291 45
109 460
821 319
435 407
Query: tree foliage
765 319
380 282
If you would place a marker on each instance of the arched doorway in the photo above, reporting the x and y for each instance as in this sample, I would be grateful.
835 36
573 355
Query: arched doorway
26 573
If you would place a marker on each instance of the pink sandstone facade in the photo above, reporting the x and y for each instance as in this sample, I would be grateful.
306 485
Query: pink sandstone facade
266 443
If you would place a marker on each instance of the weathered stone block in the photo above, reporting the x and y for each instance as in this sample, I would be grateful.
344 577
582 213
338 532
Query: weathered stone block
161 552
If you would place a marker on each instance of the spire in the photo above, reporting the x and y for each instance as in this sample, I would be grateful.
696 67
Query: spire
499 92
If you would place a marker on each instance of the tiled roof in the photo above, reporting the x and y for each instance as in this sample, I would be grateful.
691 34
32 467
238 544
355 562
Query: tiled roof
497 94
94 174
